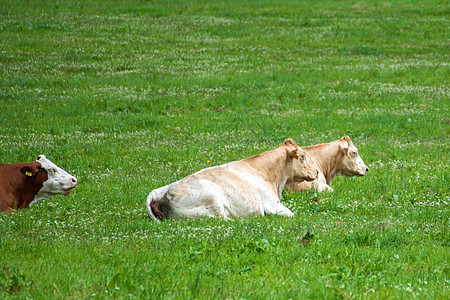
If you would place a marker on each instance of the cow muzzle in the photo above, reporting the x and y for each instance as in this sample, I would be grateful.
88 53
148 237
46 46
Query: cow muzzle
363 171
73 183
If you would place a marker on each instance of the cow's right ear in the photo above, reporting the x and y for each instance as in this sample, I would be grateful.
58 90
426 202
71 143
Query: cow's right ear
28 171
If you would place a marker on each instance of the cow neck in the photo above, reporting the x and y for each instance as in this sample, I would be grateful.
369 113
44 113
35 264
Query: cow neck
24 188
271 167
326 158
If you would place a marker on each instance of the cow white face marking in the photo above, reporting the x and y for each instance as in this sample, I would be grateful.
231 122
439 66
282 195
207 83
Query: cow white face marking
58 182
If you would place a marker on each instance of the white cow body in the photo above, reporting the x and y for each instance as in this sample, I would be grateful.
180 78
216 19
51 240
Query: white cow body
250 186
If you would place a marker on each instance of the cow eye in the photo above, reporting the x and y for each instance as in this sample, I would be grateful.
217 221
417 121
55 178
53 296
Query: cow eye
355 154
303 158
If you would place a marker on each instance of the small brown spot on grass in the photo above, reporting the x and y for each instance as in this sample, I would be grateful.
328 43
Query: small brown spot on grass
306 239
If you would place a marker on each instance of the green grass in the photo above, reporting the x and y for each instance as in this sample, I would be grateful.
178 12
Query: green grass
132 95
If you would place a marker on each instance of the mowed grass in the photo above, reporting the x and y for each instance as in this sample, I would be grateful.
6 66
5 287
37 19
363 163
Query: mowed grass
130 96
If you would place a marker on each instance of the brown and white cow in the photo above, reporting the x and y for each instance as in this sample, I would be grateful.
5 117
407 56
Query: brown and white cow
23 184
338 158
250 186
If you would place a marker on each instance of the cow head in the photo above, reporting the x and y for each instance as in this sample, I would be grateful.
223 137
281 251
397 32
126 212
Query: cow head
57 180
302 168
351 164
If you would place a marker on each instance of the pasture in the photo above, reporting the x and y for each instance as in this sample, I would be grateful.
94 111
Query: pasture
132 95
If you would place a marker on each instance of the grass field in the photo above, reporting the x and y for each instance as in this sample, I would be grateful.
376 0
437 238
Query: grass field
132 95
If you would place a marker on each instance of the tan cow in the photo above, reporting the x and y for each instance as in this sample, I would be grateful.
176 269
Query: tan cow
338 158
251 186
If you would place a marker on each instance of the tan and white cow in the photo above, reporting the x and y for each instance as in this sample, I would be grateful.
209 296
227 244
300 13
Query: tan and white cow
250 186
338 158
23 184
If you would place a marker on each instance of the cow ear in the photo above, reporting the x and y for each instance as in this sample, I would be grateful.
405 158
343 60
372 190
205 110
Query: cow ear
344 146
28 171
292 152
289 141
346 139
291 148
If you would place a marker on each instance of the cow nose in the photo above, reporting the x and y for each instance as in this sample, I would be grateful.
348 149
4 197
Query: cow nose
367 170
74 181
